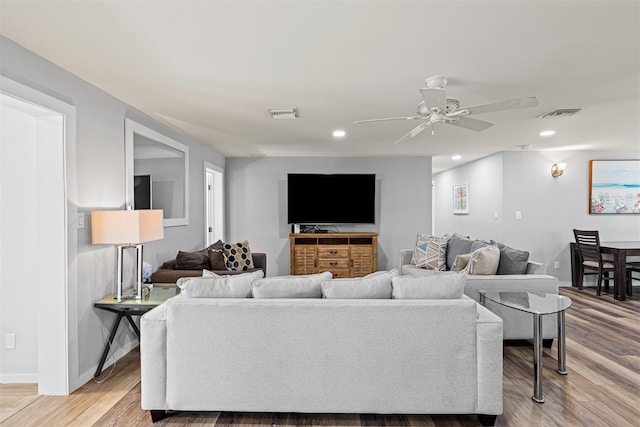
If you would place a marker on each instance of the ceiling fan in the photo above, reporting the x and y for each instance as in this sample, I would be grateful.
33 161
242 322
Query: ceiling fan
436 108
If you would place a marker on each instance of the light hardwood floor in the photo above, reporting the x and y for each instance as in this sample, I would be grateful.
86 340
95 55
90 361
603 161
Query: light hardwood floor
601 389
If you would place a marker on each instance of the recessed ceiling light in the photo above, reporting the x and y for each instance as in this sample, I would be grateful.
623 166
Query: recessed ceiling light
547 132
339 133
456 157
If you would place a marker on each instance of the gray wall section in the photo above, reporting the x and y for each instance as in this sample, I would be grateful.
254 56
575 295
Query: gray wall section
101 185
551 207
257 202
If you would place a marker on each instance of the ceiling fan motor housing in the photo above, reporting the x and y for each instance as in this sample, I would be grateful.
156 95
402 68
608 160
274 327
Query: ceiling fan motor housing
436 82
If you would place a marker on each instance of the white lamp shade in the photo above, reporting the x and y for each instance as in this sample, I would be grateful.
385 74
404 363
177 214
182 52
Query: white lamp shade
126 227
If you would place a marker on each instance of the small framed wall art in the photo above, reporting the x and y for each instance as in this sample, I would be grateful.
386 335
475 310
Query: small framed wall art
614 187
461 199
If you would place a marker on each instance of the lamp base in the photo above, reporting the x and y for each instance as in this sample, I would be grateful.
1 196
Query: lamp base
120 272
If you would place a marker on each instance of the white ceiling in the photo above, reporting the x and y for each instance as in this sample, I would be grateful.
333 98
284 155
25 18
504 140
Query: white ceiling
213 68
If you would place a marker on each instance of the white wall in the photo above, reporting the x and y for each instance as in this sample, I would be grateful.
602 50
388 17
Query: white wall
256 191
551 207
18 177
101 185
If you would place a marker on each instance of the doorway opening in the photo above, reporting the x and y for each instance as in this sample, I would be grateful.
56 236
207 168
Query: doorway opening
214 203
38 212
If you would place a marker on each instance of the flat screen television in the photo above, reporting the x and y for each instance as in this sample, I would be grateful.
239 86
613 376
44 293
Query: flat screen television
142 192
331 198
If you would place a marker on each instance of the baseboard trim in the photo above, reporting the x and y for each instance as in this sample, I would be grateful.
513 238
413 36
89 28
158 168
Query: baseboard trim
19 379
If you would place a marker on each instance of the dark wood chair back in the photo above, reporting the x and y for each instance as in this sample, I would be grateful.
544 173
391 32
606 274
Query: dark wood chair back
588 245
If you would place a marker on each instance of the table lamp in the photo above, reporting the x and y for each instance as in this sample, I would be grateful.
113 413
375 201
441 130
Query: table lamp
127 229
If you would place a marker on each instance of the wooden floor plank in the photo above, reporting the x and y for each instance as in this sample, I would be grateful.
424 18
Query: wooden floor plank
601 389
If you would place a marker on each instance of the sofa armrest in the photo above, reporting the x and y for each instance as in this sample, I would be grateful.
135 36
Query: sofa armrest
536 268
489 336
405 257
153 358
260 261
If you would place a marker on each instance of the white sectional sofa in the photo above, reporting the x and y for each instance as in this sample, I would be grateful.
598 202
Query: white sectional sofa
517 325
321 355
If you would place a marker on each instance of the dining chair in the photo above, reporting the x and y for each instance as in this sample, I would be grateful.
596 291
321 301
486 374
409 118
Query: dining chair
588 242
632 267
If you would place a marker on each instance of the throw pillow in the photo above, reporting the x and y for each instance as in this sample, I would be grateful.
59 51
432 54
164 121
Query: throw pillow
216 259
484 261
430 252
512 261
461 262
209 273
457 245
372 286
231 286
237 256
308 286
192 261
434 286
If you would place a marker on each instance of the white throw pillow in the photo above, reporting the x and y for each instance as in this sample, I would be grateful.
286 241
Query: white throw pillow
484 261
209 273
305 286
230 286
447 285
372 286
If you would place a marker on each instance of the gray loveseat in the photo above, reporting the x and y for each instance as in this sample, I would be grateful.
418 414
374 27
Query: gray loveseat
320 355
517 325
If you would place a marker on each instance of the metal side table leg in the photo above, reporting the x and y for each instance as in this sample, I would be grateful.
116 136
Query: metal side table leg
562 361
537 358
107 346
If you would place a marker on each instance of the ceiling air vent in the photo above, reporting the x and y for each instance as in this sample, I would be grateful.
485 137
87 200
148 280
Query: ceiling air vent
560 112
283 113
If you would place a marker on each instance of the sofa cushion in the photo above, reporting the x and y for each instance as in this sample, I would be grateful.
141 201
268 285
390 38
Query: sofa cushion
447 285
430 252
237 256
484 260
192 261
512 261
304 286
236 286
457 245
372 286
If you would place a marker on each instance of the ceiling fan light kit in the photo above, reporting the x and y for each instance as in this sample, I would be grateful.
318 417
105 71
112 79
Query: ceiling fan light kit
436 108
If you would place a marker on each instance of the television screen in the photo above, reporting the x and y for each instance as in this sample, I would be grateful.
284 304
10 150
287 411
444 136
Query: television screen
331 198
142 192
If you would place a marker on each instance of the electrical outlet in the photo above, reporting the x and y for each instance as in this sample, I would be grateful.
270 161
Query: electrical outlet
80 220
556 265
10 341
518 215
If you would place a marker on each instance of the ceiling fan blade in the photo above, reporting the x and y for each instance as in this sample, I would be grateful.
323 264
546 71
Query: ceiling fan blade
434 98
413 132
390 118
508 104
469 123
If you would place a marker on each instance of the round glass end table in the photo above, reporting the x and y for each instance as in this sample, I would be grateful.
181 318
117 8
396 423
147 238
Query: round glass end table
537 304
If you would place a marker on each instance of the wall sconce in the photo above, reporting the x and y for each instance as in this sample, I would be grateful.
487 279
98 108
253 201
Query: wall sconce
558 169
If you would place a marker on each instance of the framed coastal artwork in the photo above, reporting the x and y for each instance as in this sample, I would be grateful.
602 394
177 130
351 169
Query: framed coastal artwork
614 187
461 199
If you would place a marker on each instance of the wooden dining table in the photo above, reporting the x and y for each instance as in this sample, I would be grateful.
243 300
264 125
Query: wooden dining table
620 251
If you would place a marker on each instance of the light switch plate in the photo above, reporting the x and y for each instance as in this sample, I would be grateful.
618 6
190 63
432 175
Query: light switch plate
518 215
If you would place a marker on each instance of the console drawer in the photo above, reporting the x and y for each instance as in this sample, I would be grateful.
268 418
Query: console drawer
333 252
329 263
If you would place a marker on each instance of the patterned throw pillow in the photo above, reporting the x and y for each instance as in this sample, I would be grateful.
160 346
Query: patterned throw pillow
430 252
237 256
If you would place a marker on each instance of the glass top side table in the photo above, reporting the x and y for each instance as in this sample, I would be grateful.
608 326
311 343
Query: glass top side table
537 304
131 307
